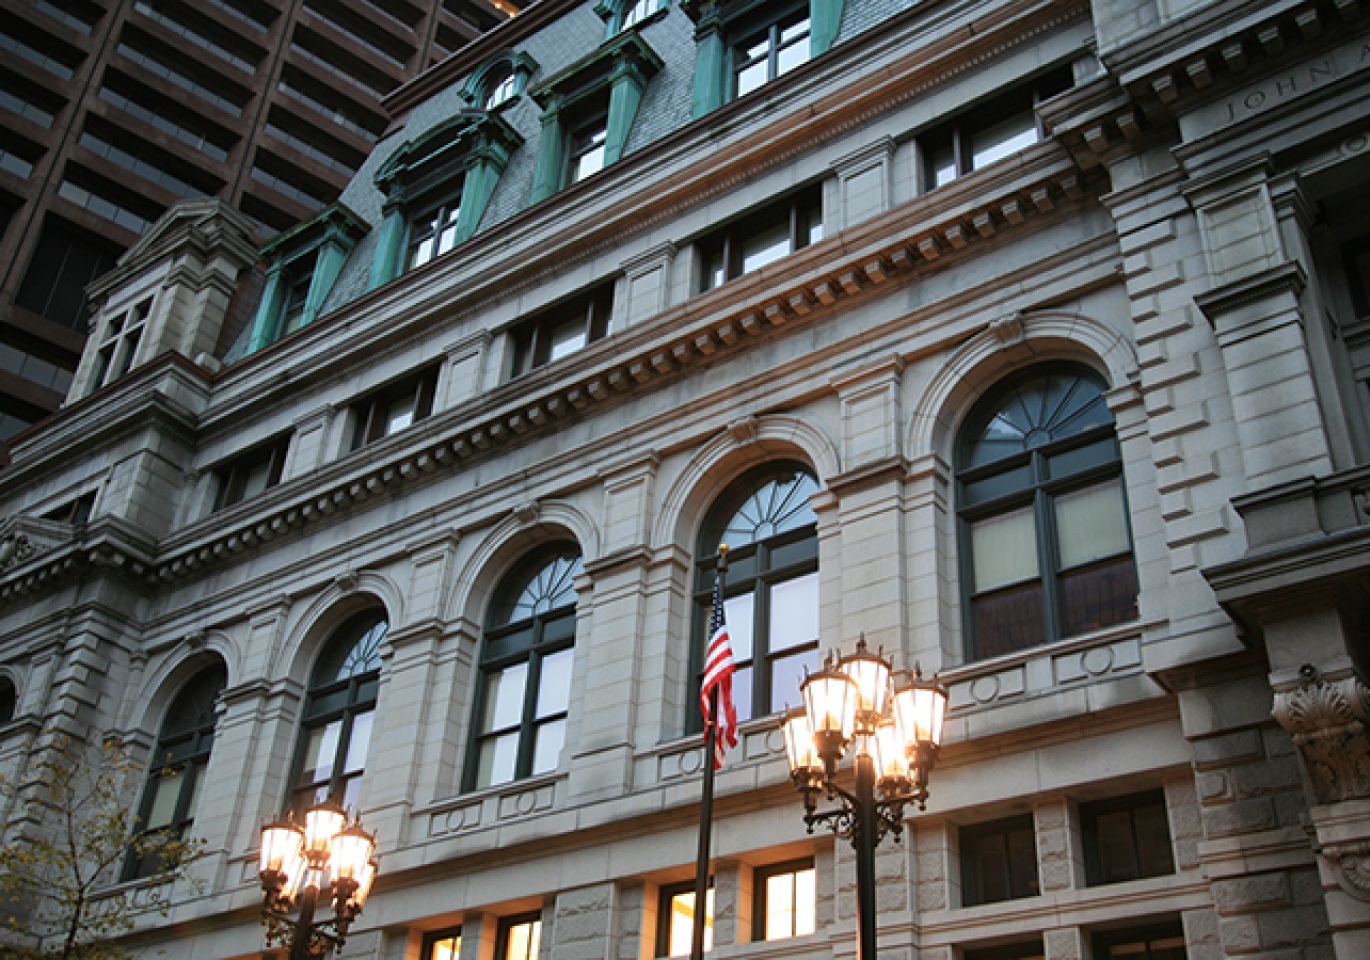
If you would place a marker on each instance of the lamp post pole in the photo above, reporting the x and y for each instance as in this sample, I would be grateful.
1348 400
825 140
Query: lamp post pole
864 839
303 935
893 731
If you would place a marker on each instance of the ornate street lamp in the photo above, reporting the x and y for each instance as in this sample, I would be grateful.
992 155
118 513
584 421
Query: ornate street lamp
894 730
327 856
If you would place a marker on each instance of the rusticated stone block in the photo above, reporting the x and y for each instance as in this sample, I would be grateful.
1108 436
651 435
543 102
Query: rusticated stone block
1250 894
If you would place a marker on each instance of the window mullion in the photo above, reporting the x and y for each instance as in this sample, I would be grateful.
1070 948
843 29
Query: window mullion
340 751
1046 558
523 763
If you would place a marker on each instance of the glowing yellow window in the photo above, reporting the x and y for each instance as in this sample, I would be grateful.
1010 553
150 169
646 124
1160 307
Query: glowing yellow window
787 900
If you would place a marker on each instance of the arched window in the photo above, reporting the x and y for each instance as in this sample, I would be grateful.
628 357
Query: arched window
9 700
771 598
1045 543
500 85
634 12
525 670
176 771
337 714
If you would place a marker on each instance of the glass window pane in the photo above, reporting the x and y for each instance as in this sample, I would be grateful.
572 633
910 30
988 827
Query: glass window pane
1012 619
504 697
793 52
748 79
567 338
941 166
794 613
681 920
780 906
766 246
357 743
1091 524
497 758
1004 138
166 791
742 692
255 479
1099 596
448 948
196 774
554 687
400 414
1004 549
319 753
787 673
740 612
805 902
524 940
548 740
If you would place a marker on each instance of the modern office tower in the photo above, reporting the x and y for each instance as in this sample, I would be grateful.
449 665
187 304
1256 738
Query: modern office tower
1023 340
113 110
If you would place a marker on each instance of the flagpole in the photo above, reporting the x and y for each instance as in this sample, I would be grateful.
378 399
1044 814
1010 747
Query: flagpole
706 803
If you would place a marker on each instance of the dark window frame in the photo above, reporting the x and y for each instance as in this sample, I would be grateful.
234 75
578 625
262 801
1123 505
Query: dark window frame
726 245
666 893
760 900
533 337
1044 486
1167 936
585 129
1032 949
181 751
9 700
756 567
233 476
508 643
371 412
506 926
764 23
341 700
1097 872
421 224
956 132
432 938
973 841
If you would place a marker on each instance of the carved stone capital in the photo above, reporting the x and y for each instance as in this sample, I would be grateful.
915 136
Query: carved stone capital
1326 719
1352 863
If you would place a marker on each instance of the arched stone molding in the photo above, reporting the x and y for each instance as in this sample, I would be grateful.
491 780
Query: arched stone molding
745 443
345 596
528 525
161 685
1006 345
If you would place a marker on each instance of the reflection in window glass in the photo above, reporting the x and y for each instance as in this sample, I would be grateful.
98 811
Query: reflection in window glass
522 940
790 905
446 946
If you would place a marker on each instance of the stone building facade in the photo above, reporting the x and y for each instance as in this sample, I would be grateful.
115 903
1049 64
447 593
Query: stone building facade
1022 337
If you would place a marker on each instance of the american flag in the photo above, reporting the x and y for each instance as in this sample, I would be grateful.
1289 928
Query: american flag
718 672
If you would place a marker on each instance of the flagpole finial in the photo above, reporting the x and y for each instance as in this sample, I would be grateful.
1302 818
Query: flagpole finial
723 549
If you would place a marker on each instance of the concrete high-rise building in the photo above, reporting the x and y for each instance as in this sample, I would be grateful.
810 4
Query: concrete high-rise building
1026 339
113 110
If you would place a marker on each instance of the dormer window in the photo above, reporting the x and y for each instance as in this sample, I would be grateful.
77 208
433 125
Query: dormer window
437 188
588 111
621 15
119 345
499 80
501 89
433 232
770 51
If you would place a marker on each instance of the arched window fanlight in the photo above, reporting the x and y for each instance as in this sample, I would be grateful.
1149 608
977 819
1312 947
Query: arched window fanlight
176 771
768 523
338 713
525 670
1046 545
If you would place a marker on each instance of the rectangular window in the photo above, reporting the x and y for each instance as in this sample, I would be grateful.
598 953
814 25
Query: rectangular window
1126 838
998 861
1023 950
676 918
786 900
1163 941
562 330
251 473
442 945
119 346
63 263
393 408
587 135
761 238
989 132
519 937
433 231
766 51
